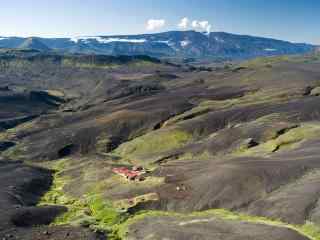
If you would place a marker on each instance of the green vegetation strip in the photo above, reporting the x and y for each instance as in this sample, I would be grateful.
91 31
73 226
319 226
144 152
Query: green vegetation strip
94 212
90 211
289 140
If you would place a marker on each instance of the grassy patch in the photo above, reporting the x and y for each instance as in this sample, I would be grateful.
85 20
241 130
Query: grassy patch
77 210
106 216
143 64
94 62
129 203
287 140
74 63
104 211
56 195
16 152
264 96
193 113
153 143
267 61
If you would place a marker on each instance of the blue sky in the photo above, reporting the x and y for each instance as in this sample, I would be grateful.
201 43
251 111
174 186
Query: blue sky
294 20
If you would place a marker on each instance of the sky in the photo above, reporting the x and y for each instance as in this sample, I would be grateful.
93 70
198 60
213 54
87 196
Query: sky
293 20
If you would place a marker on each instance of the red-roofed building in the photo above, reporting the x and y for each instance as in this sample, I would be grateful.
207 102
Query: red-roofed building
131 175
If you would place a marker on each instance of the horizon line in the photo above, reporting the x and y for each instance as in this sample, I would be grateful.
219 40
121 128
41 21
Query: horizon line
139 34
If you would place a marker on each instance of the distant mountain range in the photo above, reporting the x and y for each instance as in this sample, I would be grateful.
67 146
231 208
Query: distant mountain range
34 43
174 44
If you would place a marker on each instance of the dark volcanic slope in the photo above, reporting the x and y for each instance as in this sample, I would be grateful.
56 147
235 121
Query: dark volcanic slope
206 229
21 186
242 138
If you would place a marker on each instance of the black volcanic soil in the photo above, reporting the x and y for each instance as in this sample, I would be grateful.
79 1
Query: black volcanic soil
21 186
244 139
206 228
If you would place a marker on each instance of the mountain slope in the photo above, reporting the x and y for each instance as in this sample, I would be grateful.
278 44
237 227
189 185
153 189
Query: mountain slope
174 44
35 44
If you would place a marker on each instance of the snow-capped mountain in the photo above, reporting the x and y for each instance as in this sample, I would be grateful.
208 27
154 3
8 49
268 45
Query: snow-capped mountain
178 44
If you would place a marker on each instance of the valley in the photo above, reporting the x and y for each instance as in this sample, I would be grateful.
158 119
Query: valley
133 147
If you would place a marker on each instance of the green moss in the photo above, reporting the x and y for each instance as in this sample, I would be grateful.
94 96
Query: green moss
56 195
16 152
95 63
218 105
90 211
104 211
78 214
266 61
74 63
287 140
142 64
125 204
194 112
154 142
264 96
311 230
205 155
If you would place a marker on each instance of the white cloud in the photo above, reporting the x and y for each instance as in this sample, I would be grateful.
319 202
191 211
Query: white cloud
154 24
208 28
184 23
204 24
195 24
201 25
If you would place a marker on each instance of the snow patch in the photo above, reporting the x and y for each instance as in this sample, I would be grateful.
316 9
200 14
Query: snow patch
184 43
270 49
219 39
109 40
168 42
106 40
165 42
